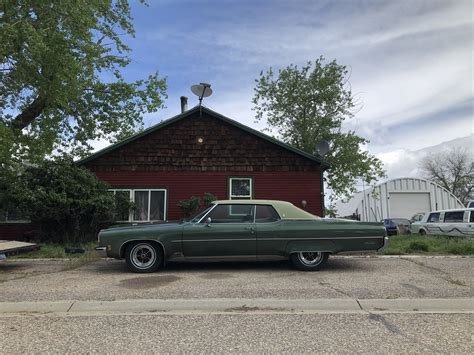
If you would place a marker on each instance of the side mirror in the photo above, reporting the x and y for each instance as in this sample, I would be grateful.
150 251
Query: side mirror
208 221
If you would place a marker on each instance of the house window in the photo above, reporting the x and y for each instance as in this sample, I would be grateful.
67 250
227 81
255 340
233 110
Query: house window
13 217
149 205
240 188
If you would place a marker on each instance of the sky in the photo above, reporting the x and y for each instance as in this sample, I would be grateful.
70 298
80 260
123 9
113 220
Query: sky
410 61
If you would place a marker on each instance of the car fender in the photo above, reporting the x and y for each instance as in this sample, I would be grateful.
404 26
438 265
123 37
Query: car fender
311 245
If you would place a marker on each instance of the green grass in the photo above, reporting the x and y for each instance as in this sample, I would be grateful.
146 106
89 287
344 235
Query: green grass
56 251
430 244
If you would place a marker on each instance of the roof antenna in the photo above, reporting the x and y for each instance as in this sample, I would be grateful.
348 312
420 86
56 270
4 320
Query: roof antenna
201 90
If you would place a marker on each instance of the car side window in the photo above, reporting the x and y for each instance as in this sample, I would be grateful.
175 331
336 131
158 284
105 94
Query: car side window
226 214
433 218
266 214
454 217
471 218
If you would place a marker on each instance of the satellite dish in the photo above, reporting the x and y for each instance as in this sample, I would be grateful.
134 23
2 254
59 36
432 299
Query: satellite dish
322 148
201 90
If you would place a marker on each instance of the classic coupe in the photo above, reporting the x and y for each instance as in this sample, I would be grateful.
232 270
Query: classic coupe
244 228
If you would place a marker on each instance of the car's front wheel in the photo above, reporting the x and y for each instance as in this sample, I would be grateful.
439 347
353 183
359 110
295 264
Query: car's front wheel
309 260
143 257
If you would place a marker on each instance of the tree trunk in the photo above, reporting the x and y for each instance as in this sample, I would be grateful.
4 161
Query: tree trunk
30 113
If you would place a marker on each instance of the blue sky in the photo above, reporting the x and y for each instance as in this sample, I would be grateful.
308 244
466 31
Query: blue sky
411 61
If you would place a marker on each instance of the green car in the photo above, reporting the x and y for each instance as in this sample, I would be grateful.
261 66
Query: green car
244 228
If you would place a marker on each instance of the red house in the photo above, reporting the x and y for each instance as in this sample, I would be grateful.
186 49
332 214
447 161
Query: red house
201 151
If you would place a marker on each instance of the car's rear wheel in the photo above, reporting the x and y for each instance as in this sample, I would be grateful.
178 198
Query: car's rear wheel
143 257
309 260
422 232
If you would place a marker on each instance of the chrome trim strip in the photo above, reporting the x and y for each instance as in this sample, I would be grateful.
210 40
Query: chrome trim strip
334 238
269 239
218 240
252 257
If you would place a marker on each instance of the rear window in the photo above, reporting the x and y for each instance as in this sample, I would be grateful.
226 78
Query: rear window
454 217
266 214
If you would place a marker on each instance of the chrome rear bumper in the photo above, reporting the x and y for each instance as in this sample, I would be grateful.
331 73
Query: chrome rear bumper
385 243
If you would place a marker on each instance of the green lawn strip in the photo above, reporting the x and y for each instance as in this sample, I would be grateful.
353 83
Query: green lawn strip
56 251
430 244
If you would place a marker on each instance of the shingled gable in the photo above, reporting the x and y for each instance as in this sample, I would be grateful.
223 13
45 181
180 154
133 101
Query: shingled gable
311 159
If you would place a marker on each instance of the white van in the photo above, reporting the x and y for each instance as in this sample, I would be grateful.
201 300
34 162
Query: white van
455 222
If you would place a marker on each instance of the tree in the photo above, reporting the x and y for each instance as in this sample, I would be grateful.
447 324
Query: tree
193 204
66 203
307 104
60 79
452 169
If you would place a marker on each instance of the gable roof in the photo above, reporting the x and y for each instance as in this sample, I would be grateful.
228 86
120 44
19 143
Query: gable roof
324 164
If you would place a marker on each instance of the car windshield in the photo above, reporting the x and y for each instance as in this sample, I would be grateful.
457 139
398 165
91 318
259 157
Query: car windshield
196 218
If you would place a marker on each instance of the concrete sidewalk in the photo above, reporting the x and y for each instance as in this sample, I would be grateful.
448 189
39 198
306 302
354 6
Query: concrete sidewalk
240 306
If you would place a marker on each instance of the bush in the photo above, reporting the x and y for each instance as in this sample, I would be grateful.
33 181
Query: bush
191 206
188 207
66 203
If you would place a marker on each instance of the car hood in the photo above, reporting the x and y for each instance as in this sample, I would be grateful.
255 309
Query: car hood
143 226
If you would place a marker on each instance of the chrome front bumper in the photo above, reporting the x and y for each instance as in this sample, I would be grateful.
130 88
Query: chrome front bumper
102 251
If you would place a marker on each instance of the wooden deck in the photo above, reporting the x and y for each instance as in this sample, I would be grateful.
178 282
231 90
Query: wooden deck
12 247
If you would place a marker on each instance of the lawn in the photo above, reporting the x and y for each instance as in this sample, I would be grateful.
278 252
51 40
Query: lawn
430 244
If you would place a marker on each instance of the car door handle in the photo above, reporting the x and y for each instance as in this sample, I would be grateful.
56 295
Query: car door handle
251 229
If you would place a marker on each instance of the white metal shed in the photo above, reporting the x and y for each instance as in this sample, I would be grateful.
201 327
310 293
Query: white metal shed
398 198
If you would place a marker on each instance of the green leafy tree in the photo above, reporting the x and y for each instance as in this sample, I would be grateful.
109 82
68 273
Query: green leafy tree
307 104
66 203
60 79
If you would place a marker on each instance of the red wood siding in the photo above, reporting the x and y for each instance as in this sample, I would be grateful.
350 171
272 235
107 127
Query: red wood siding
288 186
15 231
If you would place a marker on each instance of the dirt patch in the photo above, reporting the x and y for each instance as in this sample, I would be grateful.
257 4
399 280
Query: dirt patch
216 276
144 282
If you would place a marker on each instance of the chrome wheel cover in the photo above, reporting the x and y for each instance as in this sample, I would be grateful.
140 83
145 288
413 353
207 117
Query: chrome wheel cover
143 256
311 258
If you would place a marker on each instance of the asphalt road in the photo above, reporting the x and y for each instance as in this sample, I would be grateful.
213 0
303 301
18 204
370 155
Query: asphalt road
245 331
323 333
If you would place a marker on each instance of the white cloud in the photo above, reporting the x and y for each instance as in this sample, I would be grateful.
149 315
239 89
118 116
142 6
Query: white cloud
409 61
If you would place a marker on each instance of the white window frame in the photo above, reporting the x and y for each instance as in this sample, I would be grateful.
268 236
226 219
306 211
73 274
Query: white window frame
237 197
132 199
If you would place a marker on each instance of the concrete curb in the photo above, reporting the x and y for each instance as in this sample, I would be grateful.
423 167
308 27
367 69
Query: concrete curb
239 306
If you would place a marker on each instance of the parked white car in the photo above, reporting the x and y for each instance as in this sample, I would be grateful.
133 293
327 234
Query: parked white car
455 222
